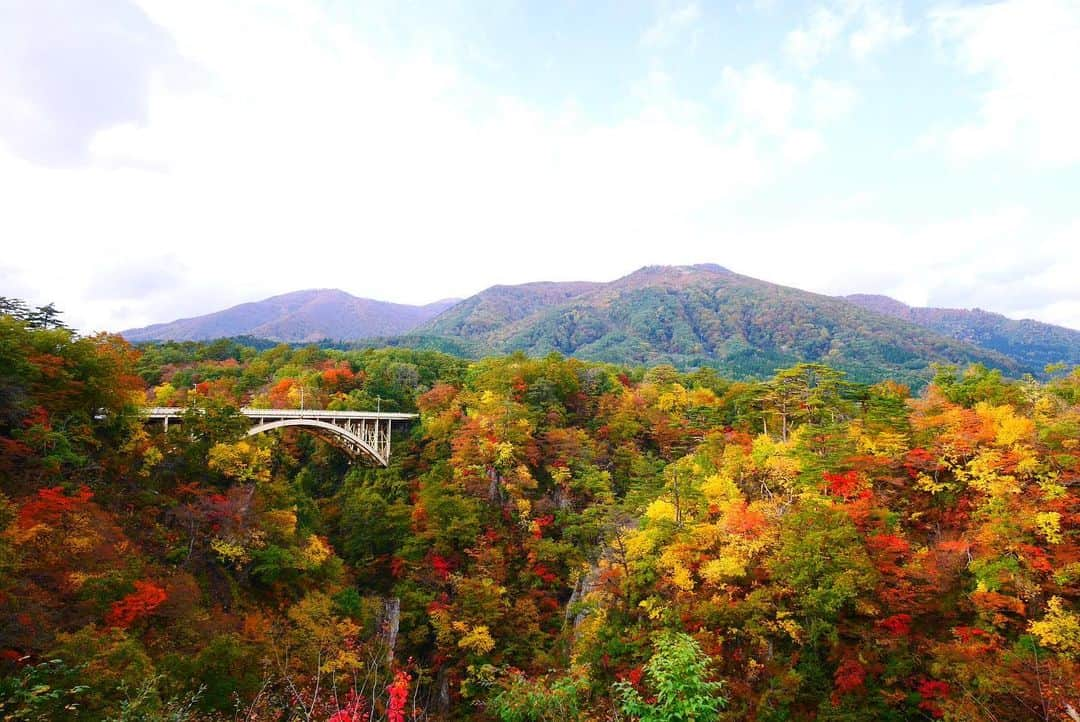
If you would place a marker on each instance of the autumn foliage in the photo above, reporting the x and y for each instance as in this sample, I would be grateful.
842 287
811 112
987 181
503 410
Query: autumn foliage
141 603
549 533
398 693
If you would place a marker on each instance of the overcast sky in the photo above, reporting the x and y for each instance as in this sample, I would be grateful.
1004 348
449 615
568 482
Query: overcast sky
161 159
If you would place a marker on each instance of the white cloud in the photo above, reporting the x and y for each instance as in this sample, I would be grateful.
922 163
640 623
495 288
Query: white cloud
967 261
880 25
765 106
1029 51
809 44
671 23
759 98
312 160
800 145
869 25
831 100
1063 313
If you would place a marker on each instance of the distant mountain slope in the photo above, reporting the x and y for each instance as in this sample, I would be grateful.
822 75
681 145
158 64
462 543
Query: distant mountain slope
708 316
1032 343
497 307
688 316
309 315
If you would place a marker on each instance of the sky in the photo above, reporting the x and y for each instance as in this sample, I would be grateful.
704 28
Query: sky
163 159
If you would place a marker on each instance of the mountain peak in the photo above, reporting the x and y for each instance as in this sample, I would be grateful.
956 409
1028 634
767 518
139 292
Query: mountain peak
704 315
673 276
881 304
684 270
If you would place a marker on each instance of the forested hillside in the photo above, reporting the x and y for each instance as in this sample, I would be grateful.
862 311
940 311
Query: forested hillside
686 316
495 308
555 539
705 315
1034 344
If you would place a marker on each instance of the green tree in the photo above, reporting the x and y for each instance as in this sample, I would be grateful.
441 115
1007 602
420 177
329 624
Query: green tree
822 560
538 700
678 675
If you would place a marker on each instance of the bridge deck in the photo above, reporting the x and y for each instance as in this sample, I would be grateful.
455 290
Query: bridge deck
361 433
173 412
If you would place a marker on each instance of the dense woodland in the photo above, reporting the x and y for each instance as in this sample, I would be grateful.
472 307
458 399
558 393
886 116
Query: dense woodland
554 540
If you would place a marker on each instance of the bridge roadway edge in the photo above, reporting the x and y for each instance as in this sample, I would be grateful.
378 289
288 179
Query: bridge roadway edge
358 433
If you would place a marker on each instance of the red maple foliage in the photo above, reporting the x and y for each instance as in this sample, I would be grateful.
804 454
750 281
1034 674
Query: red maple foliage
441 565
12 453
279 393
849 677
355 710
975 641
437 399
336 377
141 603
51 505
399 695
888 544
745 521
545 574
844 485
932 691
898 625
542 522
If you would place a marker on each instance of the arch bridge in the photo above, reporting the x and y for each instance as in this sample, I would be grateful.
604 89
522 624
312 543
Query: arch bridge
361 434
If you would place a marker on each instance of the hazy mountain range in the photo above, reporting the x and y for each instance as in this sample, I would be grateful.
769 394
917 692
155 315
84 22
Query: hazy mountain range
301 316
689 316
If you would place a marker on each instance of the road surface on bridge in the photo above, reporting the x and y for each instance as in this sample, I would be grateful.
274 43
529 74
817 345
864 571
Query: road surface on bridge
363 434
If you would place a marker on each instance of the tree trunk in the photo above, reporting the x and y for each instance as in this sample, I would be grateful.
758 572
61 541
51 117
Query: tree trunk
388 623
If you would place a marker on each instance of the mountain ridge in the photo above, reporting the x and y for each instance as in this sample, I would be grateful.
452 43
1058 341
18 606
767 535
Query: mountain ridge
688 316
298 316
1035 342
706 315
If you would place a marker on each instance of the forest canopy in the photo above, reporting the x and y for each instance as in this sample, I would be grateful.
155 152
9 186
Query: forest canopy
553 539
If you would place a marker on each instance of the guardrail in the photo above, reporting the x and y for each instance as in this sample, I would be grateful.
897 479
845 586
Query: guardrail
160 412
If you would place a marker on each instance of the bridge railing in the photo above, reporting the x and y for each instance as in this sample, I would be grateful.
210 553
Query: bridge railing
361 432
160 412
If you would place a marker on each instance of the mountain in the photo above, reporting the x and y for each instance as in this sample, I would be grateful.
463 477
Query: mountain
687 316
496 308
704 315
1032 343
300 316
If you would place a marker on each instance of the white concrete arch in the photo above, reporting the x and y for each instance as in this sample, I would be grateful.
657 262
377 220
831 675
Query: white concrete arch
362 434
342 437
